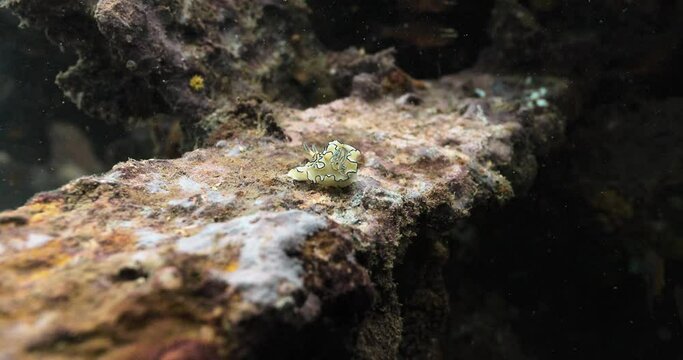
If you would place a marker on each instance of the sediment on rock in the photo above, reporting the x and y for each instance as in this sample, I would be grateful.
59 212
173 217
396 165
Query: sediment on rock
219 253
175 62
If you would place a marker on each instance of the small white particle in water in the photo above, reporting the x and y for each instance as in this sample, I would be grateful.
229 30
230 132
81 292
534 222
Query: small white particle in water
542 103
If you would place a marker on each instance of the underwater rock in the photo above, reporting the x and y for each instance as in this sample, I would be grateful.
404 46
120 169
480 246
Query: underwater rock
137 59
185 59
219 253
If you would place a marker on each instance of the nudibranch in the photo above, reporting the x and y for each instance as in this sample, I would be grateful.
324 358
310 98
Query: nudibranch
336 166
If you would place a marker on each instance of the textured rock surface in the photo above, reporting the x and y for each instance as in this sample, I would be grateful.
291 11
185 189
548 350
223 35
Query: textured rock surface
137 59
130 49
218 253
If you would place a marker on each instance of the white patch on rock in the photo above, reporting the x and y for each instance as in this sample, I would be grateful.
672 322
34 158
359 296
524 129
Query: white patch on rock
156 186
148 260
234 151
216 197
124 224
188 185
221 143
182 203
265 239
149 238
111 177
36 240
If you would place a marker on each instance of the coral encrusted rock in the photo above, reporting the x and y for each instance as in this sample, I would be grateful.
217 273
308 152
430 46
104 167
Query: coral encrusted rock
220 254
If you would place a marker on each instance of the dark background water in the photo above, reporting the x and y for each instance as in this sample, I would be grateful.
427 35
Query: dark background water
45 140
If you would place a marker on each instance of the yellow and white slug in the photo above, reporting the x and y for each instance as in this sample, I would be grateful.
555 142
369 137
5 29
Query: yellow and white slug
336 166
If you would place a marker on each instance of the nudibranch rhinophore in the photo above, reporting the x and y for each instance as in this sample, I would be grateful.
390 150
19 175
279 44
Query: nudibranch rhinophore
336 166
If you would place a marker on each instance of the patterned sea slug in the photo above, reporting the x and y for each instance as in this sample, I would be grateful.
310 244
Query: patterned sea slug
336 166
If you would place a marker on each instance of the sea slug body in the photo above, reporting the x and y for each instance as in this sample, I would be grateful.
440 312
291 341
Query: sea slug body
336 166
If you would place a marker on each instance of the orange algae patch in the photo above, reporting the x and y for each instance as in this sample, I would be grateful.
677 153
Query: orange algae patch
40 211
117 241
57 263
38 263
232 266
